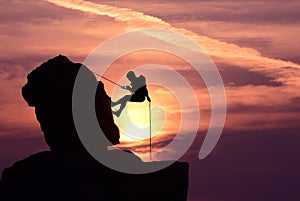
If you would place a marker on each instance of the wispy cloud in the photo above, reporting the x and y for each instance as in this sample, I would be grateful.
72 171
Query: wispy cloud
230 53
119 14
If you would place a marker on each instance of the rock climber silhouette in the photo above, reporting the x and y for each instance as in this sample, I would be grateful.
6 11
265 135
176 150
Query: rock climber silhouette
139 91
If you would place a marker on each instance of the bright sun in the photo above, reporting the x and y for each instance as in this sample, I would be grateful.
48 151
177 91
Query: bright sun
134 123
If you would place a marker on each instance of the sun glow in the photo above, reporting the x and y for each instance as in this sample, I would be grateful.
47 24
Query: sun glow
166 112
134 122
139 114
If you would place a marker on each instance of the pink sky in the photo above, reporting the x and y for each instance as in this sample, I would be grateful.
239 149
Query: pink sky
254 44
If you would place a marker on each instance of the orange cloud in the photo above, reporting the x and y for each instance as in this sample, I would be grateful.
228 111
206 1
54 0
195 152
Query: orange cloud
230 53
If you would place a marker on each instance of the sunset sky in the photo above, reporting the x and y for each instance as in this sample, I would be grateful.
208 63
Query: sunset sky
254 45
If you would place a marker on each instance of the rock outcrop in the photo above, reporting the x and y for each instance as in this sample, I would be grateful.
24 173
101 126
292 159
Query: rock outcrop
68 172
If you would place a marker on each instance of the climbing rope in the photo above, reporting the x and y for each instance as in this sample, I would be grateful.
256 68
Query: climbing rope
150 131
109 80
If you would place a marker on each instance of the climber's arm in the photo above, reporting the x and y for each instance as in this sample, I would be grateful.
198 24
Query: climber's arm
148 97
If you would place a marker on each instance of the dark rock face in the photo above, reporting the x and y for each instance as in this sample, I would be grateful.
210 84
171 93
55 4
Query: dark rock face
49 89
68 172
65 176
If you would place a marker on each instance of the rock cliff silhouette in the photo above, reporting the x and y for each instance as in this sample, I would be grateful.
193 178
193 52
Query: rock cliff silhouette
67 171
